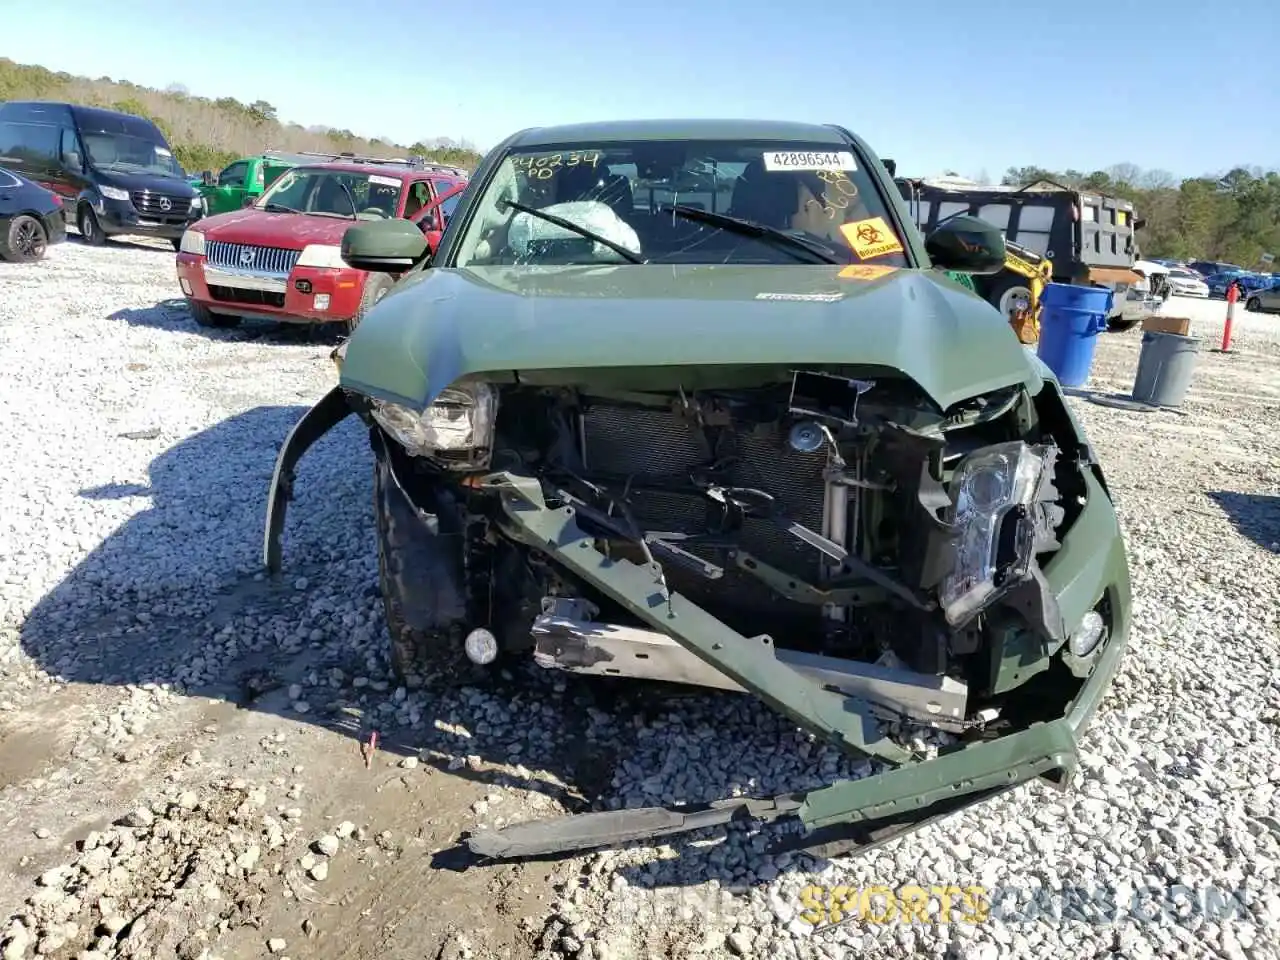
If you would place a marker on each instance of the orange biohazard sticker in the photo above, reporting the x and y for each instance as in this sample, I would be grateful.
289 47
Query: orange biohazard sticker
871 238
865 271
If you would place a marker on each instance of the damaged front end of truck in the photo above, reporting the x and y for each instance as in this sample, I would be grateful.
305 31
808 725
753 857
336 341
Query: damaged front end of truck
913 531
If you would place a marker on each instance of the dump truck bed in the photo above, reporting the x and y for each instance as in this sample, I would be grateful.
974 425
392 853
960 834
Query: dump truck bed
1084 234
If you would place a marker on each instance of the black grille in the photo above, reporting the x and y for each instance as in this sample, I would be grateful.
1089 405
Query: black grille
154 204
646 443
260 298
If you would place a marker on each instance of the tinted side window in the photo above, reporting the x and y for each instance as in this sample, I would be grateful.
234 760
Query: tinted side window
30 142
449 205
70 149
233 176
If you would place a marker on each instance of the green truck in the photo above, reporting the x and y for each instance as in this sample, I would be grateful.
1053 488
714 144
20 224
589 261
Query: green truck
752 439
250 176
247 177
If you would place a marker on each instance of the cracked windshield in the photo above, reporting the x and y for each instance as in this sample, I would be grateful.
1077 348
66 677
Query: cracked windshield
681 202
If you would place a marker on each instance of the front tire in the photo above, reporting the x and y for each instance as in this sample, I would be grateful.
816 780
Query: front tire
1253 305
376 286
177 243
421 575
25 240
90 230
204 317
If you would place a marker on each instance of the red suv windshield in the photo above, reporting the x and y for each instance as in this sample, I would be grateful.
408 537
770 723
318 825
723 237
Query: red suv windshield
335 193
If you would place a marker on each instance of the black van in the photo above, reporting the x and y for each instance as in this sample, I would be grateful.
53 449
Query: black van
115 172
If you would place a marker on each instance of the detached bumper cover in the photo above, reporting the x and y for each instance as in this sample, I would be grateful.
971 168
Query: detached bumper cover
857 813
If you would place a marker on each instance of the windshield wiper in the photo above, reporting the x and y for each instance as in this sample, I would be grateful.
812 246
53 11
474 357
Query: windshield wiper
274 207
749 228
573 228
350 198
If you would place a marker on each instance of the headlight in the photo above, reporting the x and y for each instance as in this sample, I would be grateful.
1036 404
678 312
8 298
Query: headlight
991 493
320 255
114 193
197 202
456 430
192 242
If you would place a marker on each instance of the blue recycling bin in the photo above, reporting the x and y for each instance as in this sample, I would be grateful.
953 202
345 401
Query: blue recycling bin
1071 317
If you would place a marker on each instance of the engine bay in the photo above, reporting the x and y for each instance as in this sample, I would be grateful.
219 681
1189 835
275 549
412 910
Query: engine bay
842 517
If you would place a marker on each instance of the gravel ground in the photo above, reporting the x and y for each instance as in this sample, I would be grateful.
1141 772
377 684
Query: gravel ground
183 762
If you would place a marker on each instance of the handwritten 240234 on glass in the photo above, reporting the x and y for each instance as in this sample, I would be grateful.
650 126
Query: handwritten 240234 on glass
678 196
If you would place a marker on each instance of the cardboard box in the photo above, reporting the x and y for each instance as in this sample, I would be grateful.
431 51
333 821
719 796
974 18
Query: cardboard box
1159 324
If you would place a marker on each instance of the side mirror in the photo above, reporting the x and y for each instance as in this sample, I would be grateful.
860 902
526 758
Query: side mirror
206 178
891 166
383 246
248 201
966 244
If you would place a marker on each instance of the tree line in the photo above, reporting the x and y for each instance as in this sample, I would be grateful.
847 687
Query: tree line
1234 217
208 134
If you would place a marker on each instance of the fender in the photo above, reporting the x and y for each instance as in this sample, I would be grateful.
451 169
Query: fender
328 412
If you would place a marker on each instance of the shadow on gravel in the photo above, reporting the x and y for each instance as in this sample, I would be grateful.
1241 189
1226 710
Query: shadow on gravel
129 243
1119 401
1256 515
173 316
174 596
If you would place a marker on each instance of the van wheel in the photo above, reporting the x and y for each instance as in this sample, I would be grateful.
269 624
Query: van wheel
204 317
177 243
90 230
25 240
376 286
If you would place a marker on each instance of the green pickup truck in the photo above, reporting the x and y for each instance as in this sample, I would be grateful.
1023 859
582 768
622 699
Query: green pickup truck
247 177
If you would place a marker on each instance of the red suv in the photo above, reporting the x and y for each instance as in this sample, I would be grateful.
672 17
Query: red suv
279 258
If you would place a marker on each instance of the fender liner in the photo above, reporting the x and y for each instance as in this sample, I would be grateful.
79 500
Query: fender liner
327 413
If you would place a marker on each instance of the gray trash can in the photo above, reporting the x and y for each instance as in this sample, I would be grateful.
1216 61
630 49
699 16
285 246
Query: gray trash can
1165 365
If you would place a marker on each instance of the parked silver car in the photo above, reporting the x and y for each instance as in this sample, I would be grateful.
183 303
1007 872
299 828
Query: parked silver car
1266 300
1187 283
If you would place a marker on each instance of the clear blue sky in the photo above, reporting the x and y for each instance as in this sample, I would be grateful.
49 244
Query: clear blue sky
973 86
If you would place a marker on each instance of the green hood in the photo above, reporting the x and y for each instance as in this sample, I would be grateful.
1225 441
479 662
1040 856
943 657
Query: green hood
442 324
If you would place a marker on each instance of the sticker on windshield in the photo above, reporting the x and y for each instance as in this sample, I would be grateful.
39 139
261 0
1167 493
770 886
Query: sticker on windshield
871 238
785 160
865 271
162 152
382 181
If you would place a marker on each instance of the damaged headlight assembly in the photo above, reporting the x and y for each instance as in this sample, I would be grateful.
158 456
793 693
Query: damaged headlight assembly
456 429
993 492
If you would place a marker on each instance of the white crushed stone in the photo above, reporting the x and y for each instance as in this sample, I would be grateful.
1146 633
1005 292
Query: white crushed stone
115 553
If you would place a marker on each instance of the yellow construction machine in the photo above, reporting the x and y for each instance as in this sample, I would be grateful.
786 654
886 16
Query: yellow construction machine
1024 313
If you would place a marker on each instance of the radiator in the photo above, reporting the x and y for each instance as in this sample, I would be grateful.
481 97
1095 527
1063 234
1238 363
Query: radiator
642 443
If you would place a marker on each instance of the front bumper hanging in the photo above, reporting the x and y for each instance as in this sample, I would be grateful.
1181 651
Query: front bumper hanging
847 815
